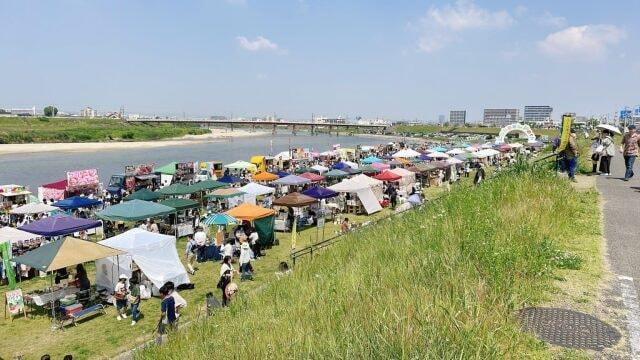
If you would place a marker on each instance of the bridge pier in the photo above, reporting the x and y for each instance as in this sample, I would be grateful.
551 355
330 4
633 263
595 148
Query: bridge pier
231 127
313 130
293 130
273 132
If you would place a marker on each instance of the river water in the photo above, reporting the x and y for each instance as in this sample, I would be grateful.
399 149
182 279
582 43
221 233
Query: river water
35 169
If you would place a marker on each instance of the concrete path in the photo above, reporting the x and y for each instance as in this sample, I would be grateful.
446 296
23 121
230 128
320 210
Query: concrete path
622 230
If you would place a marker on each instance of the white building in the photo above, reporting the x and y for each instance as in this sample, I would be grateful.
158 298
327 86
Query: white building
457 117
537 114
88 112
500 117
24 112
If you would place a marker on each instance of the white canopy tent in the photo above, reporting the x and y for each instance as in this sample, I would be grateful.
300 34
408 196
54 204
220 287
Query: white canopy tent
376 185
14 236
406 153
408 178
365 194
33 208
351 164
438 155
319 168
241 165
253 190
285 155
155 254
456 151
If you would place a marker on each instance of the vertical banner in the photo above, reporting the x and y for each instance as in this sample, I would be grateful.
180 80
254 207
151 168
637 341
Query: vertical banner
567 121
5 249
14 302
294 234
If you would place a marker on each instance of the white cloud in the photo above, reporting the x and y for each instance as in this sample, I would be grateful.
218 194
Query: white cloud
521 10
259 44
465 14
587 42
442 25
550 20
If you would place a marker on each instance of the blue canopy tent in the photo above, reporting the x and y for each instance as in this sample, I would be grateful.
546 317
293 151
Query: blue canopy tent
282 174
76 202
341 165
320 192
59 225
371 159
439 149
230 179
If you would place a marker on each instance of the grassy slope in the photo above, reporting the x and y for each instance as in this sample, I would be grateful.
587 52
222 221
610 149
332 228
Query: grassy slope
35 130
443 282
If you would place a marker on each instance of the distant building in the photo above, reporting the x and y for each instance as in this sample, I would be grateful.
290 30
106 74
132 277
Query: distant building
500 117
88 112
327 120
537 114
218 118
24 112
457 117
442 119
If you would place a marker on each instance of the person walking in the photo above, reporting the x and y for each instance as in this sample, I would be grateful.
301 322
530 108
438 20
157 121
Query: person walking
596 151
607 153
246 271
630 144
167 311
226 275
190 252
134 300
570 156
120 293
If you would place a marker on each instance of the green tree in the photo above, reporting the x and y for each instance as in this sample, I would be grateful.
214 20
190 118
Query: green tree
50 111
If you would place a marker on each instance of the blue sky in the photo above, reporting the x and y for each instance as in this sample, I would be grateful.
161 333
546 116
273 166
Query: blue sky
393 59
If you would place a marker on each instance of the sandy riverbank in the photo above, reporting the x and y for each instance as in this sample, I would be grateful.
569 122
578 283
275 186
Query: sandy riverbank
215 135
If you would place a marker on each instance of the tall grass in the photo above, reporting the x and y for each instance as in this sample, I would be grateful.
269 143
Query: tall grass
443 283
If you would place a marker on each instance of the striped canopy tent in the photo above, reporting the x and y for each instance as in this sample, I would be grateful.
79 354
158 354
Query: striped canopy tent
64 253
220 219
264 176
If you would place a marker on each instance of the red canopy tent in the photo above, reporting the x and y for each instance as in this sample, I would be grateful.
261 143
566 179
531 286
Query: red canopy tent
55 190
313 177
387 176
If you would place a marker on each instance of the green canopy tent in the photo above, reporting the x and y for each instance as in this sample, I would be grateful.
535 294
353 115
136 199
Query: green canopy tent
207 185
169 169
176 189
134 210
143 194
179 204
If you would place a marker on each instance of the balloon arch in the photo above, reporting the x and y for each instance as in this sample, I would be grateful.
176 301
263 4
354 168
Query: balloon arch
526 129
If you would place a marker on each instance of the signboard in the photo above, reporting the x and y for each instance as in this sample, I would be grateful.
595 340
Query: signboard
184 168
14 302
625 114
636 111
82 178
567 120
142 169
321 222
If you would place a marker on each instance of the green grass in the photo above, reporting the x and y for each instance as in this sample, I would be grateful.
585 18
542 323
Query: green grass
18 130
443 282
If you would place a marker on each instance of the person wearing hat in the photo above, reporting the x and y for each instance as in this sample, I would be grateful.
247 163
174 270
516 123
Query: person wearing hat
120 293
630 145
570 156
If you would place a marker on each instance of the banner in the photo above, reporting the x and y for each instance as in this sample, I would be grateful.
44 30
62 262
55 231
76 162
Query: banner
5 250
14 302
567 121
82 178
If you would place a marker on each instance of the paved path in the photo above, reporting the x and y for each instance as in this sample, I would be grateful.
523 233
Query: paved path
622 231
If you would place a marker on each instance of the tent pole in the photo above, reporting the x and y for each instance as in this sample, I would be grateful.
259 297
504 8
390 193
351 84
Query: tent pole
53 303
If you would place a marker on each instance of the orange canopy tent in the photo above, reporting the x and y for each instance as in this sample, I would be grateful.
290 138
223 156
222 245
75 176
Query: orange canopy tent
261 218
264 176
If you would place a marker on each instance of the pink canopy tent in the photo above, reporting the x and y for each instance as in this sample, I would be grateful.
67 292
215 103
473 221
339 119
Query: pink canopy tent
55 190
380 166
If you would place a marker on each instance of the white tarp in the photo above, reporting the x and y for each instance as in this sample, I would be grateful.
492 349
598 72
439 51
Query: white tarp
376 185
406 153
368 200
33 208
13 235
348 186
408 178
155 254
253 190
319 168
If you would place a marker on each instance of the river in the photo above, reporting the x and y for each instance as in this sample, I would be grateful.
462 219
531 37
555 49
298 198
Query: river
35 169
